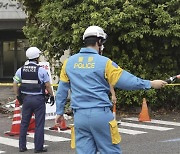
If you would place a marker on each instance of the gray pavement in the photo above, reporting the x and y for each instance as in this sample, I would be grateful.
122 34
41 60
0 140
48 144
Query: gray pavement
156 137
137 137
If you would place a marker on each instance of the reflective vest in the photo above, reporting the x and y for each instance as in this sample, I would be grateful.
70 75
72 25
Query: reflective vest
30 82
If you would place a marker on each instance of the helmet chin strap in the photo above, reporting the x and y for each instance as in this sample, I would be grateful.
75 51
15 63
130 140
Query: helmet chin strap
101 47
99 50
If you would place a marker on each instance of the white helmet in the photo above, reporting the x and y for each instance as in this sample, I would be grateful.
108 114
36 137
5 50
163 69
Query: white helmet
32 53
95 31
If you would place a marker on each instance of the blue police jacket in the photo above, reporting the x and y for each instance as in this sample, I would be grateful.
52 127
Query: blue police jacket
88 75
32 78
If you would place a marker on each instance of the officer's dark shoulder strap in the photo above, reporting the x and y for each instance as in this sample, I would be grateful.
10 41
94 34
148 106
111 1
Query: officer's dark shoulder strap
22 69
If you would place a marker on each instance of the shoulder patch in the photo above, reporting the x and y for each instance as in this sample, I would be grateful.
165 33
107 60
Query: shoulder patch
114 64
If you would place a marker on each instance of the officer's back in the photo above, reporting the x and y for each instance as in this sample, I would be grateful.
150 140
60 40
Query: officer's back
86 72
33 81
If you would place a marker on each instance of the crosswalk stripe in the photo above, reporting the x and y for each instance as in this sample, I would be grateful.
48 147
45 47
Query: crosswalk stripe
64 131
129 131
121 130
2 151
172 140
145 126
51 138
14 143
156 121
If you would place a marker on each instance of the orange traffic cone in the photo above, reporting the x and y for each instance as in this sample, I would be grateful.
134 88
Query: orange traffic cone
15 129
54 127
31 127
114 111
62 126
144 115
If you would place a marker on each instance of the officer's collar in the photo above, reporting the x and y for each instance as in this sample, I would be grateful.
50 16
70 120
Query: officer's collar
33 62
88 50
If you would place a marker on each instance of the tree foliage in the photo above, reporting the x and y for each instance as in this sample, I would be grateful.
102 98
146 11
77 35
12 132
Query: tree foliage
143 37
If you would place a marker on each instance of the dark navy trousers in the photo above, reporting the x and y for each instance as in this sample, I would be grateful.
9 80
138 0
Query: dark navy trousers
33 104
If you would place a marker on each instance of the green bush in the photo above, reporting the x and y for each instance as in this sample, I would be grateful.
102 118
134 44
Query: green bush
143 38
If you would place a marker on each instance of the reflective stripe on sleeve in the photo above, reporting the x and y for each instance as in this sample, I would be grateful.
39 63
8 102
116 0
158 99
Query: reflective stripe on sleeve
15 78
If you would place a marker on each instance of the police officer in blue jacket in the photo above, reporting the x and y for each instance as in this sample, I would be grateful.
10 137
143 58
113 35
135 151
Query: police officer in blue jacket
88 75
33 81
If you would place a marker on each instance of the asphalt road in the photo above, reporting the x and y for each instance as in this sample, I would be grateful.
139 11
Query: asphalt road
155 137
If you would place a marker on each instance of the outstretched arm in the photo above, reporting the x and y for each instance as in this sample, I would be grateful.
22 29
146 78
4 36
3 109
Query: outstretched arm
124 80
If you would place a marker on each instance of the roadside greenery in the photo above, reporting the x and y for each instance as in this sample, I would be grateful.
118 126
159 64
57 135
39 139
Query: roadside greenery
143 38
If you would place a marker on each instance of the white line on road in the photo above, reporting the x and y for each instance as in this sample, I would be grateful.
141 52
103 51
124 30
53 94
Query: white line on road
51 138
64 131
121 130
145 126
156 121
2 151
129 131
172 140
14 143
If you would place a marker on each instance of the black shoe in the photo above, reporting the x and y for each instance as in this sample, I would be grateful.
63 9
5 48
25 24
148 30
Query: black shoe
40 151
22 149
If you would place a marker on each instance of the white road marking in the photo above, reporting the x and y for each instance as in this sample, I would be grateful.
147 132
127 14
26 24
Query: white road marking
156 121
14 143
2 152
145 126
51 138
64 131
129 131
172 140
